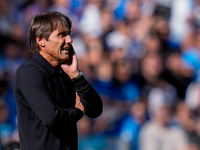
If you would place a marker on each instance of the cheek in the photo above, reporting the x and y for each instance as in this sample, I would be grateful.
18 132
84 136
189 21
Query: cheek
55 42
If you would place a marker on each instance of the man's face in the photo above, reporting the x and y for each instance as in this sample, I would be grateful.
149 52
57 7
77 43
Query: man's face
58 47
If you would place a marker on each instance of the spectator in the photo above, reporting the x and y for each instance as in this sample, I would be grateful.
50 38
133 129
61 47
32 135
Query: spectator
191 54
192 98
124 88
159 134
184 119
177 74
149 76
131 126
87 140
90 23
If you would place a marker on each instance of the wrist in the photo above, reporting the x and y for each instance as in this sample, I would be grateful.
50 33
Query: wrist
78 75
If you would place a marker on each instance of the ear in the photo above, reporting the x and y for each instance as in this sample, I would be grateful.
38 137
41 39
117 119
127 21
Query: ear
40 41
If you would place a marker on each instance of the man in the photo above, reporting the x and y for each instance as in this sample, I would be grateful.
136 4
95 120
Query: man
50 91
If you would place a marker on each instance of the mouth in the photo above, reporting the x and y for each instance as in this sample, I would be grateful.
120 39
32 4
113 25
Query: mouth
66 49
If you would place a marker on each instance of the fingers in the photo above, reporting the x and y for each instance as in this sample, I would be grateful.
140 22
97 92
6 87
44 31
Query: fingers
77 98
79 105
73 51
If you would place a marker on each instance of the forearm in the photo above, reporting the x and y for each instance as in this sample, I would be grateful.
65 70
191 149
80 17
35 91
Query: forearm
89 97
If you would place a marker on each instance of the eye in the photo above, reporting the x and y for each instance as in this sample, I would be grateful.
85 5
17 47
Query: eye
62 34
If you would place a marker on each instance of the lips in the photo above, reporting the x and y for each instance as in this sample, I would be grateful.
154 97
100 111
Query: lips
65 49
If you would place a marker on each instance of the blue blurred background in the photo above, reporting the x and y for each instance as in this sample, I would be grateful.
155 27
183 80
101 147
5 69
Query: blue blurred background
142 57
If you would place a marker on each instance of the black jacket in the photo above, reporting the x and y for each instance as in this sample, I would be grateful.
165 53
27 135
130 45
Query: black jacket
45 99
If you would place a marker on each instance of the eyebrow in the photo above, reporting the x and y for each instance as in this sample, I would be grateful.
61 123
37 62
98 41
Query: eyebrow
64 31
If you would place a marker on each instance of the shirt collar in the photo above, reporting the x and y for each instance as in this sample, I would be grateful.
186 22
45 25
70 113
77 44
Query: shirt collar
42 62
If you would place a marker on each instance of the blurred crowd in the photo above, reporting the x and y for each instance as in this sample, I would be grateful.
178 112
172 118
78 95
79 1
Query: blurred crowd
142 57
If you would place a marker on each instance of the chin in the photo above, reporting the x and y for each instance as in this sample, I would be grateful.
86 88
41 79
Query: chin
65 60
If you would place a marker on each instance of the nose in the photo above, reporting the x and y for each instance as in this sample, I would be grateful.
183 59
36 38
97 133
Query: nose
69 39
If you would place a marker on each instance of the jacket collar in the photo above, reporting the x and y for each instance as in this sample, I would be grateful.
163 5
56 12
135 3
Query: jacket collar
42 62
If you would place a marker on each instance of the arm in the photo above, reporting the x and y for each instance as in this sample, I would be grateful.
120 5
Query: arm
89 98
34 87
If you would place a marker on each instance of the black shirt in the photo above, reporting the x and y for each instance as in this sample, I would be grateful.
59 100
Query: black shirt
45 99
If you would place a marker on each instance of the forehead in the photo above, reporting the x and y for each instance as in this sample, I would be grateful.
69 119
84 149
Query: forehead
60 29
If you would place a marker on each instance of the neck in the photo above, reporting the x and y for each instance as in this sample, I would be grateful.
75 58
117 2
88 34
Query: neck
55 63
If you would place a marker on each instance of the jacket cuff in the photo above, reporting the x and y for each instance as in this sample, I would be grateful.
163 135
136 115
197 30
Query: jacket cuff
80 83
79 114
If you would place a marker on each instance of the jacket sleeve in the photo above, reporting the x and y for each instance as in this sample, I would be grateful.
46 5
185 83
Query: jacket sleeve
89 97
33 83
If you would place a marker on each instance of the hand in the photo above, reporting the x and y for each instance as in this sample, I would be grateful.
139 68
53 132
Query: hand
78 104
70 67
